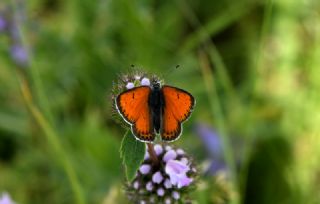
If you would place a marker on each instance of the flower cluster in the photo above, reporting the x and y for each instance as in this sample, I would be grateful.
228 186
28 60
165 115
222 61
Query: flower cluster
166 182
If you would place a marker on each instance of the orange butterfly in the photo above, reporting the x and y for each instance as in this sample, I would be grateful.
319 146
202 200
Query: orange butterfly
155 109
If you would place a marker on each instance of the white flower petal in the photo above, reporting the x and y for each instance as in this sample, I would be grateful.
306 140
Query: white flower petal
130 85
180 152
145 82
168 148
136 185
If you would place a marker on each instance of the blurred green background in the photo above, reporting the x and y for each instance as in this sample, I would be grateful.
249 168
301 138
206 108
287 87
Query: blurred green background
252 65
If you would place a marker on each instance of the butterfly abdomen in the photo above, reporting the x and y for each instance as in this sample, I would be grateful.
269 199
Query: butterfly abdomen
156 103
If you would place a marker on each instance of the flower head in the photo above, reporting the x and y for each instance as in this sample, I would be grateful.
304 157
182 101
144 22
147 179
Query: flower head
167 182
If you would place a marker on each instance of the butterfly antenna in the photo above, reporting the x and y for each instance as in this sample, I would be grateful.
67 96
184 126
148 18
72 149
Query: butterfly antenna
170 71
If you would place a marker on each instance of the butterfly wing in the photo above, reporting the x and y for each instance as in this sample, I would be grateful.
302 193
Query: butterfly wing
178 105
133 107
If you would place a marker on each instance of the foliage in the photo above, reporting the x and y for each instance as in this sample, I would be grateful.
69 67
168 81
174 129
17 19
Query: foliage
251 65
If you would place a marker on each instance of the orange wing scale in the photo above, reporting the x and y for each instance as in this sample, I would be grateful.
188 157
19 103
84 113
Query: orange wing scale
133 107
178 107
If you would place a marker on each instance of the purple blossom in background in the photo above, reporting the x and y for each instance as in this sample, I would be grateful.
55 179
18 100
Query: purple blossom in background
6 199
3 23
210 139
19 55
11 22
213 145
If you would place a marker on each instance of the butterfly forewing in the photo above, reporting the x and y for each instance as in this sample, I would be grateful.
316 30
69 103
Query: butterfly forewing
133 107
178 105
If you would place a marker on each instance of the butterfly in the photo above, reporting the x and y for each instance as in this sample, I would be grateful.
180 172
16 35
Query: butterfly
155 109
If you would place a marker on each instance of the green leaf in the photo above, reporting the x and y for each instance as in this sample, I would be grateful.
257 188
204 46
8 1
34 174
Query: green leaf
132 153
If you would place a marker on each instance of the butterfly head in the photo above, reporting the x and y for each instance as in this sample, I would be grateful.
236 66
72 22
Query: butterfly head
155 84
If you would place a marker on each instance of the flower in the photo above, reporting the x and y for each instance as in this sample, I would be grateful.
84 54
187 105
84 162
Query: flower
177 171
210 139
6 199
19 55
145 82
213 146
175 195
145 168
130 85
157 177
149 186
158 149
160 192
171 154
167 181
3 23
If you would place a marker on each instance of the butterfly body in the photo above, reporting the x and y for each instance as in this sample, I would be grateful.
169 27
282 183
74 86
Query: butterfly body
152 110
156 104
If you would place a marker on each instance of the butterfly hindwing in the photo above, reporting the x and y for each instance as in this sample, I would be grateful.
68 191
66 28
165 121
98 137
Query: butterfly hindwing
178 105
133 107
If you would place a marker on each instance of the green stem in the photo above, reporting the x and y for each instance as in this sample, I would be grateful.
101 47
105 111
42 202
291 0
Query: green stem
53 140
221 127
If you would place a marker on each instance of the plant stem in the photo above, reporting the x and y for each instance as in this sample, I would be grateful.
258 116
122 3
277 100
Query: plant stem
152 154
53 140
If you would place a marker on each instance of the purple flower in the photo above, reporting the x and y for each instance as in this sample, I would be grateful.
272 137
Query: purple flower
19 55
145 82
6 199
175 195
149 186
160 192
130 85
167 183
177 172
3 23
146 156
158 149
210 139
145 169
157 177
171 154
184 160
